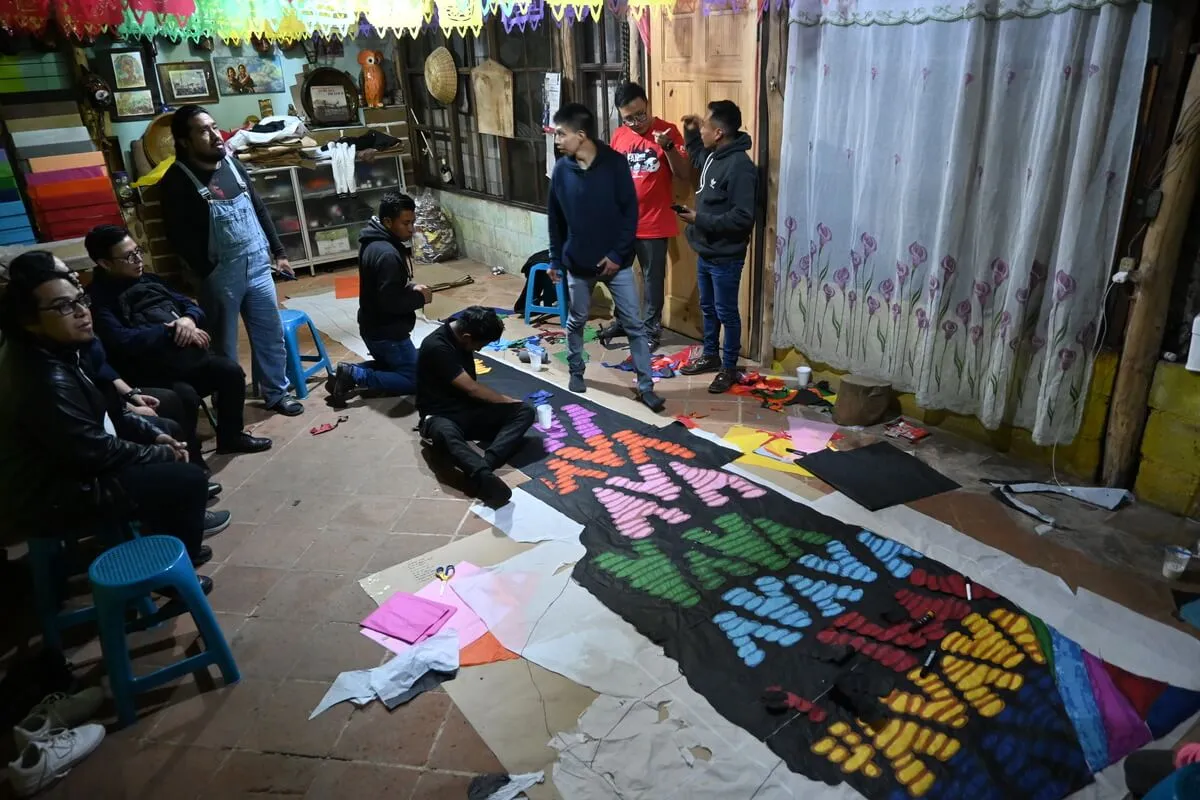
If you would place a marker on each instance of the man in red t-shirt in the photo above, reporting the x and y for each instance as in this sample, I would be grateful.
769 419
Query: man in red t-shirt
654 150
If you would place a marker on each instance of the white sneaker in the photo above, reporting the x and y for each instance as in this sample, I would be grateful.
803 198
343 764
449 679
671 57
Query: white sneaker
58 711
43 762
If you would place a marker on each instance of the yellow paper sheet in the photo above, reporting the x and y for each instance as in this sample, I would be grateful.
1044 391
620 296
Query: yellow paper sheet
749 440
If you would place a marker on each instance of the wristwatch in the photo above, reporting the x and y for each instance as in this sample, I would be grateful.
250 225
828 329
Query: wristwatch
128 396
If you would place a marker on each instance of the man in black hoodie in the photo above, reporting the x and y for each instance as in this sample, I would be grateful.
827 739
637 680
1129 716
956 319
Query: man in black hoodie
387 305
719 231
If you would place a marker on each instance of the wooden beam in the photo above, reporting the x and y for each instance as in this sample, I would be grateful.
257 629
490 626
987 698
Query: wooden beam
1152 294
635 50
774 77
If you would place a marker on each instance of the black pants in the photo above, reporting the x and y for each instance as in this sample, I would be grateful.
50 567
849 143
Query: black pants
177 419
168 499
501 424
194 376
1145 769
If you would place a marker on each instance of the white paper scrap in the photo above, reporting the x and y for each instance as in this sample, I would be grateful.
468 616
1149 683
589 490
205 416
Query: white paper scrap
516 785
527 519
439 652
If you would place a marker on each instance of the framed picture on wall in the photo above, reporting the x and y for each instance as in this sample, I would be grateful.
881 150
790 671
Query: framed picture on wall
187 82
138 104
248 75
129 72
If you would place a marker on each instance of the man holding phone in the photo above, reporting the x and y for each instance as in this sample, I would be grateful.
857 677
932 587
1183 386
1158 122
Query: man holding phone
719 231
654 150
593 220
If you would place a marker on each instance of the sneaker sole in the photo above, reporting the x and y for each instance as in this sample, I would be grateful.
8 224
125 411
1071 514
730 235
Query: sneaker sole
208 532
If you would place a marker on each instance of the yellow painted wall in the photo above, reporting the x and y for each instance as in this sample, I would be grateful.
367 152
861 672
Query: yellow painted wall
1080 458
1169 475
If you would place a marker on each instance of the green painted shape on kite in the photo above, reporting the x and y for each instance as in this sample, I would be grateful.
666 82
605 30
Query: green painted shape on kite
712 571
650 571
739 539
789 539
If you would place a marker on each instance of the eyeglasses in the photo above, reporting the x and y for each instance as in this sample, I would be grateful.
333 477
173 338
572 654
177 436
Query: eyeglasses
66 308
636 119
137 254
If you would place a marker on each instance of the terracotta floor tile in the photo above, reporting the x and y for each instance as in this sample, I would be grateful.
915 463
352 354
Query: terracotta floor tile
216 718
397 548
402 480
441 786
269 648
310 510
245 773
403 736
239 590
229 540
155 770
335 647
459 748
278 546
368 781
341 549
282 724
251 505
176 640
317 597
232 471
373 512
431 516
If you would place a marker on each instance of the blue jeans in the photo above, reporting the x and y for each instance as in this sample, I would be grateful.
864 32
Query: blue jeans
628 305
718 285
393 370
243 286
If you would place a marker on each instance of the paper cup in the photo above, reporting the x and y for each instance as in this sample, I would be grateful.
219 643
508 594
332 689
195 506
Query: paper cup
1175 561
545 415
803 376
535 360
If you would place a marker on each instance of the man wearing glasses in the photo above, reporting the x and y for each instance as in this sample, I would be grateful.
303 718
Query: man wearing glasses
155 337
654 150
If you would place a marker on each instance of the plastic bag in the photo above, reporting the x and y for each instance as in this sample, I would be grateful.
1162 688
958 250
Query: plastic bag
433 238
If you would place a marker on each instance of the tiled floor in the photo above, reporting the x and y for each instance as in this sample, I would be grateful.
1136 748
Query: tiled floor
313 516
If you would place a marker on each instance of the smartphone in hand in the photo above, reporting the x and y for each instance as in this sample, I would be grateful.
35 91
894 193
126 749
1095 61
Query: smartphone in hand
678 209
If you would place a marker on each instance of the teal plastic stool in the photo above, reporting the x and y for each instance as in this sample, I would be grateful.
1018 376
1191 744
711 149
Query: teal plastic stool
292 320
130 571
531 309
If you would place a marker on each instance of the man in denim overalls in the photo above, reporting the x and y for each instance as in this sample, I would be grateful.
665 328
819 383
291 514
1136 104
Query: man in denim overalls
220 227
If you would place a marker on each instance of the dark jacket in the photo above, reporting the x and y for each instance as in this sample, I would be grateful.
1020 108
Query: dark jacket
55 455
185 213
725 200
131 316
592 213
387 301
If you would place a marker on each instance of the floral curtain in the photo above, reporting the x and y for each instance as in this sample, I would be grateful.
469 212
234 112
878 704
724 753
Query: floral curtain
952 193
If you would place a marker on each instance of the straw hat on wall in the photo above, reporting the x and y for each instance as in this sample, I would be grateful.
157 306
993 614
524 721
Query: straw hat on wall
441 76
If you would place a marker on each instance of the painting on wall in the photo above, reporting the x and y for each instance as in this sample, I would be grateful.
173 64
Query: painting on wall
134 105
248 75
128 70
187 82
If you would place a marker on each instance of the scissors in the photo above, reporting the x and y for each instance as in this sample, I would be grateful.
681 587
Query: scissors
444 574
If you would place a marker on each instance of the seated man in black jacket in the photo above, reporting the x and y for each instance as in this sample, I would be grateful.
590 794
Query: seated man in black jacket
387 304
155 337
65 463
455 409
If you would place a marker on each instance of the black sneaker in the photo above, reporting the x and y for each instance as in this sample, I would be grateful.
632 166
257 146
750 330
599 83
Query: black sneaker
214 489
340 386
288 406
576 384
244 443
215 522
724 381
608 333
491 489
653 401
203 556
702 365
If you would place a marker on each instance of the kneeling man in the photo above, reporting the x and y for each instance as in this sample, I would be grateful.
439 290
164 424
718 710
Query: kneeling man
456 409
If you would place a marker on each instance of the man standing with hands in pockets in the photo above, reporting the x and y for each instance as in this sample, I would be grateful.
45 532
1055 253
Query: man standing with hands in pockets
593 218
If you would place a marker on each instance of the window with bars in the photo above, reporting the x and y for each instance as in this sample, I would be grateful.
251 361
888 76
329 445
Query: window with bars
513 170
600 55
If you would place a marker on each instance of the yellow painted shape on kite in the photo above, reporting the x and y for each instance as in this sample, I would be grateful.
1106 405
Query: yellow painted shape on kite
1021 630
749 440
481 367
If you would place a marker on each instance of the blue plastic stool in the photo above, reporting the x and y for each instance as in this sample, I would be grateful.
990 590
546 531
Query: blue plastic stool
130 571
531 309
291 321
1182 784
50 561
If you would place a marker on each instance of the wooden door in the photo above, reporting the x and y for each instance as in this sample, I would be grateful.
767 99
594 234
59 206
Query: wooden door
696 58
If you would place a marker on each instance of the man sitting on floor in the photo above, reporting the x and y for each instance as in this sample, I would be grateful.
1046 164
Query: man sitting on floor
455 409
387 304
63 465
154 337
